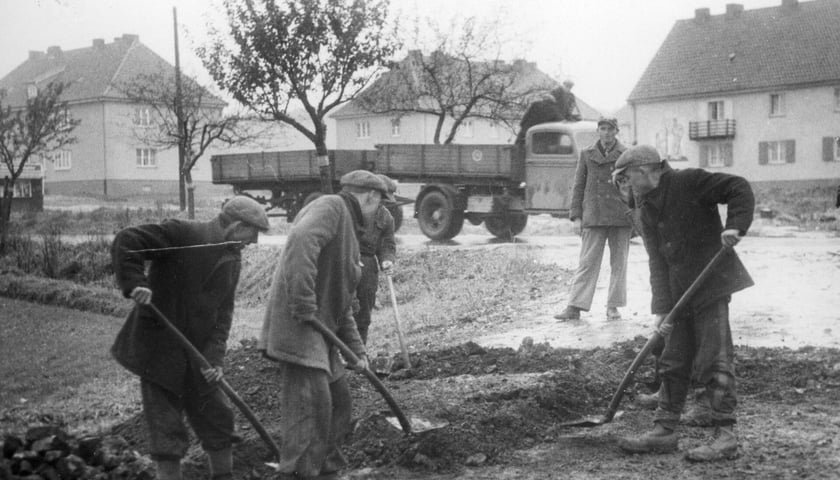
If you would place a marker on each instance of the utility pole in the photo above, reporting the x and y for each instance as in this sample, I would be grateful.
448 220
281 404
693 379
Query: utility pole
179 114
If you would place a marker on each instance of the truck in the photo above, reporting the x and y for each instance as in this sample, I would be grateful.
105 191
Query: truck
497 185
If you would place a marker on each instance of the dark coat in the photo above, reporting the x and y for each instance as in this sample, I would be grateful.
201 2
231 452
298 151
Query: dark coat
594 198
316 278
194 288
378 237
681 227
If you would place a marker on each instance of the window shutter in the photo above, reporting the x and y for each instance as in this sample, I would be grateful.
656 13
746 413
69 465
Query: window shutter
762 153
704 155
790 151
726 152
828 149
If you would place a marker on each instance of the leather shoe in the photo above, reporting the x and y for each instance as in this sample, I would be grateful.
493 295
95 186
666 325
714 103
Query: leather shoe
724 447
648 401
570 313
650 443
697 416
613 314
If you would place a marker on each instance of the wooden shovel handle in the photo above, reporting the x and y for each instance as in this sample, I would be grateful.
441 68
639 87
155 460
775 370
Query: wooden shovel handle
657 337
377 383
403 347
225 386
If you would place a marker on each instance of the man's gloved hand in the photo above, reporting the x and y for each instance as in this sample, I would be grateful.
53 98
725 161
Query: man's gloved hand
388 267
212 375
730 237
362 365
141 295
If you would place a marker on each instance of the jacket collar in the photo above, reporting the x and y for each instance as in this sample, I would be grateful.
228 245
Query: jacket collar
656 197
355 210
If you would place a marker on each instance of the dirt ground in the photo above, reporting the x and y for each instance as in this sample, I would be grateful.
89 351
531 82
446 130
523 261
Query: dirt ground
505 393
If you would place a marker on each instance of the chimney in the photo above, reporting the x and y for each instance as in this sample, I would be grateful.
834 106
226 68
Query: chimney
130 38
701 14
98 43
790 3
35 54
54 52
734 9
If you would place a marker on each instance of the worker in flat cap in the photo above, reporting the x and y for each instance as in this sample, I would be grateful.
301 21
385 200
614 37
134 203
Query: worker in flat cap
682 232
192 277
598 213
315 281
378 249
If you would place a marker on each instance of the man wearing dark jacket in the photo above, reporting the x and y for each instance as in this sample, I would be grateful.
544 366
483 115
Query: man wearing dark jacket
315 281
682 231
192 276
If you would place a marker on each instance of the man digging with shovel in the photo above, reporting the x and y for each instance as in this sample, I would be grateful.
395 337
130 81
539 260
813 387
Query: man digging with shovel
682 231
192 277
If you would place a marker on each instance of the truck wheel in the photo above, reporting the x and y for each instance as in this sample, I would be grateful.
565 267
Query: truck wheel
506 226
438 217
397 213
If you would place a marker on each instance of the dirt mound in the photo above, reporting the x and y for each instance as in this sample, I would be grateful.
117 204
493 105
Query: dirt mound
496 401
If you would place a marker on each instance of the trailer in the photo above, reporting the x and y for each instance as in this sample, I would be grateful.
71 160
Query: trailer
498 185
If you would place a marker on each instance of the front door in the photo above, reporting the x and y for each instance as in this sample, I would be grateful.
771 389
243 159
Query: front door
550 163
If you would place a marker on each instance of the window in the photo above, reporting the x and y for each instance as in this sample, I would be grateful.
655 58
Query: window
495 130
831 149
23 189
142 116
777 104
716 111
395 127
715 155
777 152
551 143
363 129
146 158
837 99
63 119
468 129
62 159
31 91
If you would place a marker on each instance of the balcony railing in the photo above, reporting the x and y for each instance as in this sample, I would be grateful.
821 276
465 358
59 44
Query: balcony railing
711 129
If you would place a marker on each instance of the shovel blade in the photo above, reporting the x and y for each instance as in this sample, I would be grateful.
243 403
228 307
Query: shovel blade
418 425
586 422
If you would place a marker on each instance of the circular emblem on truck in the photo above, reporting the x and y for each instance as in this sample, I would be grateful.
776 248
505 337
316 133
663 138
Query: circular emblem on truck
477 155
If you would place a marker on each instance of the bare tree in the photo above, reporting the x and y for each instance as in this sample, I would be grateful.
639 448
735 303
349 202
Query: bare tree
463 77
39 127
319 53
193 125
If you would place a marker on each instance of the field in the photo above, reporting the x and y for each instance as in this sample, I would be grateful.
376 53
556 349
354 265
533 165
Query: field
477 321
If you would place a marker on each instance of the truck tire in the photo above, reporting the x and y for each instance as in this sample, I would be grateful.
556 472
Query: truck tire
396 212
506 226
438 217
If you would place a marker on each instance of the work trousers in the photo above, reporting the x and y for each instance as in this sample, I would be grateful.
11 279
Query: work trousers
210 417
700 342
366 293
593 240
314 421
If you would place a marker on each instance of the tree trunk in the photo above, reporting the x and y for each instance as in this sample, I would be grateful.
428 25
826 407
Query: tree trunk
5 213
190 187
439 128
324 167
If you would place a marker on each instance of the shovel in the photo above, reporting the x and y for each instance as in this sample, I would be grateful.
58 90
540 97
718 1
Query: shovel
225 386
416 425
654 339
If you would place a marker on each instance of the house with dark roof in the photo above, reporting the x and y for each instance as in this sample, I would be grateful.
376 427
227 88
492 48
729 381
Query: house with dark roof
750 92
109 158
358 128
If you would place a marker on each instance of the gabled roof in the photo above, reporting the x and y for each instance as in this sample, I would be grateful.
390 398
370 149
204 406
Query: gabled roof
793 44
531 78
94 72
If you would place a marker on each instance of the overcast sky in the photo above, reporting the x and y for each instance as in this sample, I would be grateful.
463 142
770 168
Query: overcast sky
602 45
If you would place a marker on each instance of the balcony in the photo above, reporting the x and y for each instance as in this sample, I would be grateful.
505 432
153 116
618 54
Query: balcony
711 129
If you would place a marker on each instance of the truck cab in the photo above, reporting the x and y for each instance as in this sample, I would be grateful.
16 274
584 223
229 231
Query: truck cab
552 151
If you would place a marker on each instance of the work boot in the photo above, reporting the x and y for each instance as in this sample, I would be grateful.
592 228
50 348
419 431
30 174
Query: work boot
724 447
697 416
658 440
570 313
221 464
169 470
613 314
648 401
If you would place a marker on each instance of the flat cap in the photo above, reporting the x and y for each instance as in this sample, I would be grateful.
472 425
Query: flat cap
611 121
246 210
635 156
389 182
368 180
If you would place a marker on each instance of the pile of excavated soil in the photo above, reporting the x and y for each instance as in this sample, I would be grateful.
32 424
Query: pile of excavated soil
496 401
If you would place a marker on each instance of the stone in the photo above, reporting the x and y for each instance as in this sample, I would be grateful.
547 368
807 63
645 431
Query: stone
475 460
